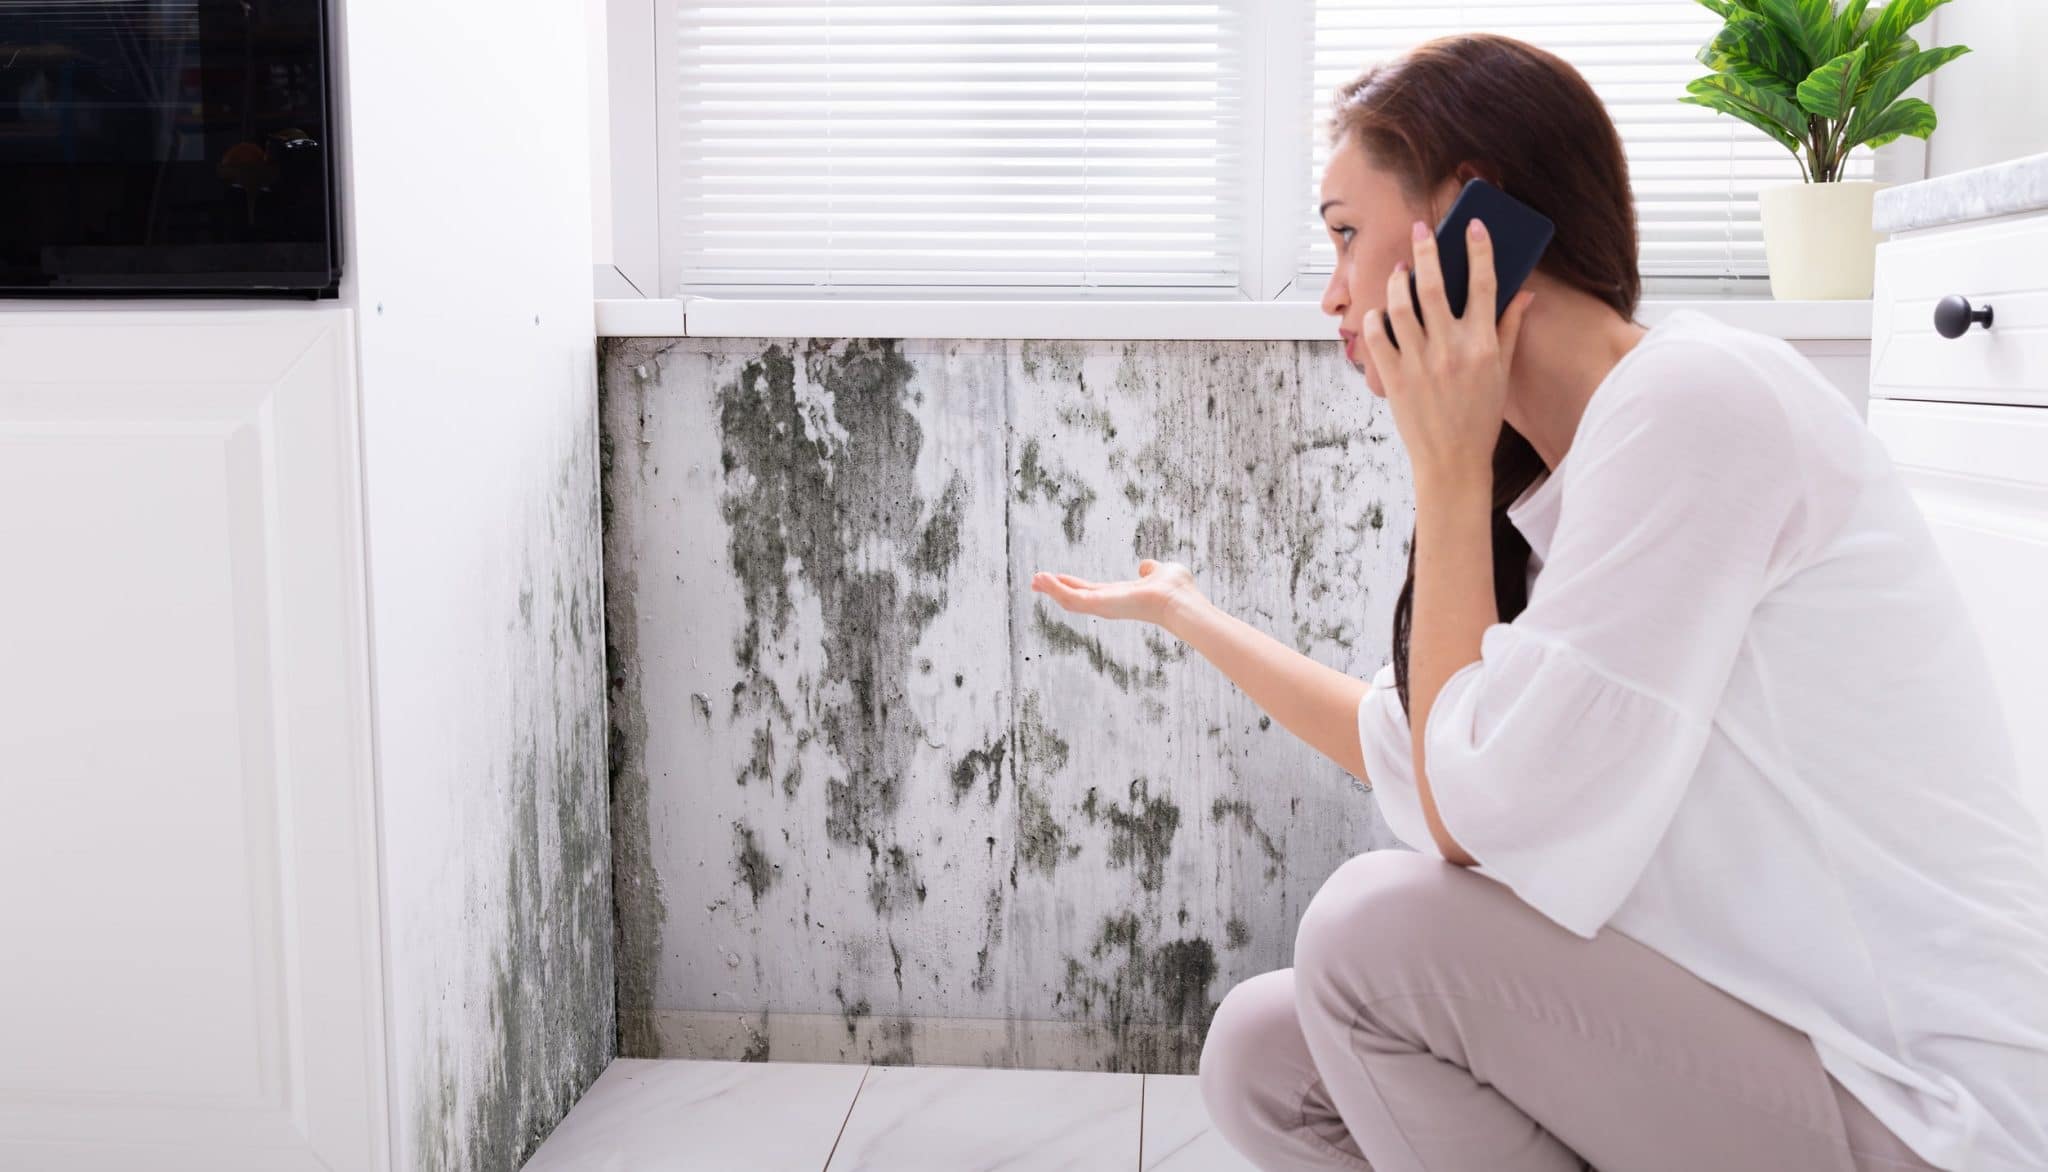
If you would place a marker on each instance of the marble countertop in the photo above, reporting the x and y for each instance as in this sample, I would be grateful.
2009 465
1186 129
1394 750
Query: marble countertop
1997 189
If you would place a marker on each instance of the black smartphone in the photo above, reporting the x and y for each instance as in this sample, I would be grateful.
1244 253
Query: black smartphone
1519 232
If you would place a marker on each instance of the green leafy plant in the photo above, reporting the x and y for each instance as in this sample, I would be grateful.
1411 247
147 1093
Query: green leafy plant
1818 79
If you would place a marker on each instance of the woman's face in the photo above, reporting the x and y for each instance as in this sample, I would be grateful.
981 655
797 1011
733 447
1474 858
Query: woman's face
1368 220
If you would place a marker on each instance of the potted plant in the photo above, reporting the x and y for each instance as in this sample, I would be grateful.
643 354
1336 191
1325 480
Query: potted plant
1821 80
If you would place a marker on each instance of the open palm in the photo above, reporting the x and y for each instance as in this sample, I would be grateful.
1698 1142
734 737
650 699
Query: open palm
1146 597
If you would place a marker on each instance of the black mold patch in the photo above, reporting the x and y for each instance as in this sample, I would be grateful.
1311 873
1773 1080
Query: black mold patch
762 764
757 1046
1067 641
852 1011
895 1048
1043 751
892 877
1143 833
1153 1001
986 761
752 866
1236 934
816 468
919 610
938 545
1161 652
1222 468
1089 416
1153 538
1181 973
1307 634
1040 837
991 935
1063 489
1242 811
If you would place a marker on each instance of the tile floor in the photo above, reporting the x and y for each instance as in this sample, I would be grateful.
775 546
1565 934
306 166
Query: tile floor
646 1115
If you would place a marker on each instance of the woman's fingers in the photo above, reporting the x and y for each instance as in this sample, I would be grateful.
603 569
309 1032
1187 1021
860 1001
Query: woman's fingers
1143 597
1401 312
1075 598
1429 282
1483 283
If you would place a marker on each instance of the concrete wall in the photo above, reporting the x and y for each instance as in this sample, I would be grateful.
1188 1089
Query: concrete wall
469 262
874 800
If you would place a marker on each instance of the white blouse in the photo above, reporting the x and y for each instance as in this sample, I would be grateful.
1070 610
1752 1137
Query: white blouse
1746 720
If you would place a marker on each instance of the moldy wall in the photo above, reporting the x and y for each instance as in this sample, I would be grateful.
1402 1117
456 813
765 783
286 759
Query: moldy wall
874 800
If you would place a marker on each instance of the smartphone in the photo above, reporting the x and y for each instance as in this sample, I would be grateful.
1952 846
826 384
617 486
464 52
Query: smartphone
1520 233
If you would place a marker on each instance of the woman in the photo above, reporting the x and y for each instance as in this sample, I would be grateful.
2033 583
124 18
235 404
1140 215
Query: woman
1720 856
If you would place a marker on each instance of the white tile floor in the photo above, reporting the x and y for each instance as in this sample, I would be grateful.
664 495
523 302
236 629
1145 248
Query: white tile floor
671 1114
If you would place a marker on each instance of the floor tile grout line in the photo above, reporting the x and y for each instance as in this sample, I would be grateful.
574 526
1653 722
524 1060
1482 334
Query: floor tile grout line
1143 1080
862 1085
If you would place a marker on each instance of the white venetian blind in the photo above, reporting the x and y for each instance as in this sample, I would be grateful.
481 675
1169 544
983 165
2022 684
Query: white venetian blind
834 144
1695 173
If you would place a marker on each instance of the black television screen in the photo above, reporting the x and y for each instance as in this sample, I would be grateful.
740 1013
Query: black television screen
166 146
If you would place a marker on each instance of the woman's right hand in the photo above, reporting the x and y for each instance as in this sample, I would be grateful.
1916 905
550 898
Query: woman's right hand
1151 597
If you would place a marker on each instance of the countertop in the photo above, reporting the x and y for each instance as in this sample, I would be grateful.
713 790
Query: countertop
1996 189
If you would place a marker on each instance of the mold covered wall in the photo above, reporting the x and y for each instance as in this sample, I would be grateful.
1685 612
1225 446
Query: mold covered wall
470 271
503 933
875 800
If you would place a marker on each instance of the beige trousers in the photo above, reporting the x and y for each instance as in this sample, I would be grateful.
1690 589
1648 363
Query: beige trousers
1433 1022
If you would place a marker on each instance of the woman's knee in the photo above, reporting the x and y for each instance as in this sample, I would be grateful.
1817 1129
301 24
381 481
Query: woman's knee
1380 903
1246 1046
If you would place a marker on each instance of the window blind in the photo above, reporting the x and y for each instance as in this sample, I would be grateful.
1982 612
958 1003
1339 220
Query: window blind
956 144
1695 173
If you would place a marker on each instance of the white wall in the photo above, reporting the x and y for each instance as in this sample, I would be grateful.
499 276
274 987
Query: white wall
1991 102
595 25
468 222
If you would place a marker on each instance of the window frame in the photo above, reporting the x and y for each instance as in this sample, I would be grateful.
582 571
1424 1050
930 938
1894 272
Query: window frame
637 254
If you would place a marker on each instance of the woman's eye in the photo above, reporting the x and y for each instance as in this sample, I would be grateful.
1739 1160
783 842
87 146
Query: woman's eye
1341 234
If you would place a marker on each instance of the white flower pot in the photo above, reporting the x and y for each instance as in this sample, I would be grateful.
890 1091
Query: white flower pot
1817 239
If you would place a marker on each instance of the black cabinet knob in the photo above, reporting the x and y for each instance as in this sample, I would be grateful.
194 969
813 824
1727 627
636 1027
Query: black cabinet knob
1953 315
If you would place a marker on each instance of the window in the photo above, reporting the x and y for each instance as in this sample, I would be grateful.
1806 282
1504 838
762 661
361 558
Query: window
1695 172
1144 150
939 144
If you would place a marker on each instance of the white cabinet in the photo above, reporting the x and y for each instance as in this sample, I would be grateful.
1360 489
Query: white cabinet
1966 422
2001 263
192 972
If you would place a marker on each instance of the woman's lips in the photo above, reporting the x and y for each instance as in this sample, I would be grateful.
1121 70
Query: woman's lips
1349 338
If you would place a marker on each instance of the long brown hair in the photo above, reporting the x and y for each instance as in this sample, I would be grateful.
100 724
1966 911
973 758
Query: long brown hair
1525 120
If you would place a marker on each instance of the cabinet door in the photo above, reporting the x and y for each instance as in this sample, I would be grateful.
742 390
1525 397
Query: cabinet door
1980 475
187 890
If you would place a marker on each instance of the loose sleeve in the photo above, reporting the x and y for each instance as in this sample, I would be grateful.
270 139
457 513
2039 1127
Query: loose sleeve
1558 758
1388 751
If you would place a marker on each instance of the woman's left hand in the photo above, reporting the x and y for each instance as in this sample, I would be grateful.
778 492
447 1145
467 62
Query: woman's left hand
1448 382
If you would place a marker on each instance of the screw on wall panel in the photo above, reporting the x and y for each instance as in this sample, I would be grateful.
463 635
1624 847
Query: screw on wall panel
380 307
536 319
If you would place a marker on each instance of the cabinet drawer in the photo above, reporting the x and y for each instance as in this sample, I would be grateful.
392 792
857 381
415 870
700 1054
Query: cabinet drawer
1980 476
2001 263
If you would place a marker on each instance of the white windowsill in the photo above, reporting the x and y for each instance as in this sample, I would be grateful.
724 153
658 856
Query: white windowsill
669 317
